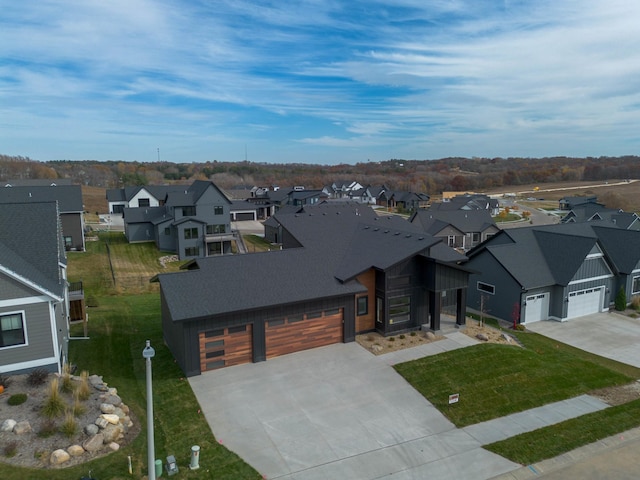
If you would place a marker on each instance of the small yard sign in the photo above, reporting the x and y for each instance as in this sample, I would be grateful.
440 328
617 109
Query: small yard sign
454 398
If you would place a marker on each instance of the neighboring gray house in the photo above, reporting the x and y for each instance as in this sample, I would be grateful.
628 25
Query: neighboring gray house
596 212
569 203
193 222
558 272
139 196
463 229
469 201
34 297
70 206
399 199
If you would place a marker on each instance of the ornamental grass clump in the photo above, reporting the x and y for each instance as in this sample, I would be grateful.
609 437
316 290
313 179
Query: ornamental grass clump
67 384
37 377
78 408
83 390
53 405
69 426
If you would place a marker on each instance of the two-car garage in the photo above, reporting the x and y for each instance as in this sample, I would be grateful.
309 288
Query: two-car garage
225 347
585 302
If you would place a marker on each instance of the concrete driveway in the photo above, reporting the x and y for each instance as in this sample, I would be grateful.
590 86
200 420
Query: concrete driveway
606 334
337 412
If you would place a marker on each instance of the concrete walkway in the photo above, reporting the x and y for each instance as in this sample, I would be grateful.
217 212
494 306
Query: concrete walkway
341 412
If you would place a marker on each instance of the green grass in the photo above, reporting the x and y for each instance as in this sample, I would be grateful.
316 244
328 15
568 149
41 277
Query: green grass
496 380
511 217
118 328
255 243
547 442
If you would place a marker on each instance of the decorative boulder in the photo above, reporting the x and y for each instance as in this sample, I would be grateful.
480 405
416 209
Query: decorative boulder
114 446
101 422
75 450
114 400
91 429
483 337
21 428
107 408
112 433
111 418
59 456
7 425
94 443
430 335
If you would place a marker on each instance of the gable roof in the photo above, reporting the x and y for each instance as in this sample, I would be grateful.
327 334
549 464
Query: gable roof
464 220
551 254
69 197
32 249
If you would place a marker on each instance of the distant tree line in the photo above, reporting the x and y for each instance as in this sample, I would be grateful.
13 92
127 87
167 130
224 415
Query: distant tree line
426 176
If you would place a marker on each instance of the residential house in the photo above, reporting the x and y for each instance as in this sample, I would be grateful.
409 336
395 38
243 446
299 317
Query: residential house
569 203
409 201
34 295
596 212
559 272
469 201
70 206
342 271
139 196
193 222
461 229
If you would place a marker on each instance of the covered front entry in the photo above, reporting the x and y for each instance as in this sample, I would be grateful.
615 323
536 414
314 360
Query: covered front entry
225 347
301 332
585 302
536 307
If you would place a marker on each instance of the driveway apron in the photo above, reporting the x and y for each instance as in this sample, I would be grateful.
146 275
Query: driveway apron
336 412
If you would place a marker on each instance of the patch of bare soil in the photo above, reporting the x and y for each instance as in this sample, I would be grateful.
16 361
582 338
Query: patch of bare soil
33 449
618 395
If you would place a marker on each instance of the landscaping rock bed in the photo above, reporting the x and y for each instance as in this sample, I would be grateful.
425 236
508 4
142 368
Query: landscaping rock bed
28 438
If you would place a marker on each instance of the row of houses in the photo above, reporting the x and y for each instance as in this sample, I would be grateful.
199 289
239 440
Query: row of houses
345 270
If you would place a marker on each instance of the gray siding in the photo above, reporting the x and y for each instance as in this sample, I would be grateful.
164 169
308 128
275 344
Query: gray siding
592 267
39 336
139 232
11 289
72 227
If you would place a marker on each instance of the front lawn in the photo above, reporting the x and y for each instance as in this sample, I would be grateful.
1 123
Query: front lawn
497 380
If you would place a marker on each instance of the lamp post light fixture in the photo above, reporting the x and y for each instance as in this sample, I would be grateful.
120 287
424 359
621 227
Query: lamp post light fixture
148 353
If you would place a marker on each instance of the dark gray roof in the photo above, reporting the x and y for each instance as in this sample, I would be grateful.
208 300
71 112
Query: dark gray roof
622 247
69 197
433 221
226 284
237 205
38 182
590 212
340 241
552 254
32 248
145 214
127 193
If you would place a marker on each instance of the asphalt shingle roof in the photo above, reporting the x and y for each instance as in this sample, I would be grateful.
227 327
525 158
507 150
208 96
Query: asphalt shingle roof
69 197
32 246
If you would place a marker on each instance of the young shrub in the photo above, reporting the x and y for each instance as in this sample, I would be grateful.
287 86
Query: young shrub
402 337
67 384
69 426
54 405
84 390
17 399
47 428
413 334
78 409
621 300
37 377
392 339
10 449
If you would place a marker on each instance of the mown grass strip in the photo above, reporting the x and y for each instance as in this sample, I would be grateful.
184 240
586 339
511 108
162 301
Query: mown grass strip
497 380
554 440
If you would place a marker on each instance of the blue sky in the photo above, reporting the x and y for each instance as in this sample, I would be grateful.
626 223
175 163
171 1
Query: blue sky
318 81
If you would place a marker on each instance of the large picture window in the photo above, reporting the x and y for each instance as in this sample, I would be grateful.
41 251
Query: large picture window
215 229
12 330
399 309
636 285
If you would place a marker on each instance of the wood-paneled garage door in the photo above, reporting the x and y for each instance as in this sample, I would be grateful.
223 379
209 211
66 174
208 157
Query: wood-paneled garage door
225 347
301 332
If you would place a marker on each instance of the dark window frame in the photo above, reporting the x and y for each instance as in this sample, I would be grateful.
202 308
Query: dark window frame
8 320
486 288
362 305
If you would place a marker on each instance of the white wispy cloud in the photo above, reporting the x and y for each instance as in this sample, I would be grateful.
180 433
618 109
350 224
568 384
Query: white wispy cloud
413 78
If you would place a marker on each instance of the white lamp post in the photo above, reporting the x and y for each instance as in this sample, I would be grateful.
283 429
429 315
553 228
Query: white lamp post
148 353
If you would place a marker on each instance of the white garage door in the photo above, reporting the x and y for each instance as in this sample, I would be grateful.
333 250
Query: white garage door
585 302
536 308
